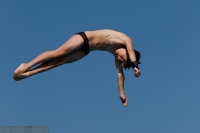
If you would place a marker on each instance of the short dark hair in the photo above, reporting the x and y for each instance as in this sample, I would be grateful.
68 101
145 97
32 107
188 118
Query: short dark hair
127 65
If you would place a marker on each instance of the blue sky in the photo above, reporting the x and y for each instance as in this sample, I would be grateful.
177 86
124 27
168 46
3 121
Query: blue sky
83 96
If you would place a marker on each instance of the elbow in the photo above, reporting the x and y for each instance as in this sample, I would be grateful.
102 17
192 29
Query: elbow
120 76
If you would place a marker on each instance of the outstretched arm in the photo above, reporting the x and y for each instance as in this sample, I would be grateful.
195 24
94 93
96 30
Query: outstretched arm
120 79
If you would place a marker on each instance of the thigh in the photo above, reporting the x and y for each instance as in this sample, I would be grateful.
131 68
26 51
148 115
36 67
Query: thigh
71 45
74 56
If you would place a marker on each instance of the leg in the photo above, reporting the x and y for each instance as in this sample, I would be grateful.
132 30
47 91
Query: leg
74 43
74 56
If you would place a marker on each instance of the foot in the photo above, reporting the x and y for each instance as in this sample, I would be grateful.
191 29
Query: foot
21 76
21 69
124 100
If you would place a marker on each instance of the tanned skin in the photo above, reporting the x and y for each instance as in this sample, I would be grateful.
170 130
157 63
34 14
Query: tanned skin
114 42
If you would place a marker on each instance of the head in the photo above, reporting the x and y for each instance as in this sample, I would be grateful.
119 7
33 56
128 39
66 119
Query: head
122 55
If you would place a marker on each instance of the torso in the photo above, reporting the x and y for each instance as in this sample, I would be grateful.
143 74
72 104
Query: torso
106 40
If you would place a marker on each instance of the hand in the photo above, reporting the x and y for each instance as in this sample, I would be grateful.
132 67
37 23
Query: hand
136 72
124 100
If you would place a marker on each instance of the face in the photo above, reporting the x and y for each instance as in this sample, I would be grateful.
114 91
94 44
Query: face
121 54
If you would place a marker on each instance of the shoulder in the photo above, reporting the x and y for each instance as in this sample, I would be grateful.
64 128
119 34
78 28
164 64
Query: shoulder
128 39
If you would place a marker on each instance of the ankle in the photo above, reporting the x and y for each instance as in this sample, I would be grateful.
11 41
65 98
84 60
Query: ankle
28 66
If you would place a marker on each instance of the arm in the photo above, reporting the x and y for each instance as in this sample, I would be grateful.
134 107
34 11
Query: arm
130 50
132 56
120 79
120 76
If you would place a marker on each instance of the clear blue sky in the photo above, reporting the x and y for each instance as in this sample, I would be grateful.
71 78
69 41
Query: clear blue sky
83 97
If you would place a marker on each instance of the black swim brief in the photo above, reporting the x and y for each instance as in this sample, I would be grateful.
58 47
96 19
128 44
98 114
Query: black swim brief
85 47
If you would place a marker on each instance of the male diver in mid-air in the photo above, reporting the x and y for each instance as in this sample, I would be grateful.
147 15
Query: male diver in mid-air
78 46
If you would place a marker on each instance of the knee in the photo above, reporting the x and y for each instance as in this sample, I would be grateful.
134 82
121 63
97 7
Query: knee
58 53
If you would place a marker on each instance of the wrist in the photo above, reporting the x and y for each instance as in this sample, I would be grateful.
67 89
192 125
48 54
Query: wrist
135 64
122 95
